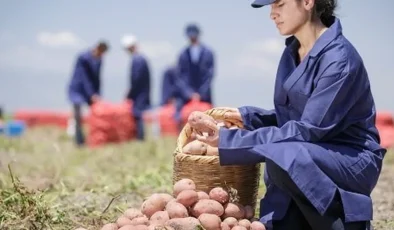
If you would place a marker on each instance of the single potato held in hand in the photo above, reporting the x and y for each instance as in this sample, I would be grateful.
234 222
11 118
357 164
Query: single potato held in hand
202 123
205 127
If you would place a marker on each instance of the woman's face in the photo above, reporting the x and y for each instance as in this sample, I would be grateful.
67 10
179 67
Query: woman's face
290 15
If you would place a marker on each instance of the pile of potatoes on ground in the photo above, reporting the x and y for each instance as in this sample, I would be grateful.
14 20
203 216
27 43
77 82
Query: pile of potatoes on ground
188 209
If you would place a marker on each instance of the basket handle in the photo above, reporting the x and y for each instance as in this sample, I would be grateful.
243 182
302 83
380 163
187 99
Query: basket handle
217 113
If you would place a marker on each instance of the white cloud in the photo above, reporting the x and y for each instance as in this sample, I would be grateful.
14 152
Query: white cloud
35 59
59 39
270 46
260 58
158 50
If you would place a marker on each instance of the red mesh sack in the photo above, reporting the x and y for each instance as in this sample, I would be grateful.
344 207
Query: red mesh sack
110 123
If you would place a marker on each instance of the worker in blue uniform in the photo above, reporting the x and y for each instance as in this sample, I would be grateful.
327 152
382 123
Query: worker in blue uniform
140 83
168 88
196 70
85 84
320 145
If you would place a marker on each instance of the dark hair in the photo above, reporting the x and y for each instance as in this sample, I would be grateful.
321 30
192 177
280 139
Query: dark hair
102 45
324 9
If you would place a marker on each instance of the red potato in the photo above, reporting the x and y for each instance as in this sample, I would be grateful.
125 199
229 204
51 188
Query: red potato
207 206
159 227
176 210
159 218
198 119
249 212
127 227
219 194
212 151
111 226
140 221
238 227
202 195
183 223
195 147
231 221
153 204
257 225
166 197
132 213
245 222
165 228
183 184
224 226
134 227
234 210
210 221
123 221
187 197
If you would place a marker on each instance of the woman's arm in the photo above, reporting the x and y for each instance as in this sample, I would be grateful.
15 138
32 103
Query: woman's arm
254 117
335 94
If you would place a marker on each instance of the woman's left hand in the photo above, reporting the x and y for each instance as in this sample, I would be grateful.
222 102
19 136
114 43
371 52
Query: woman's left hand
202 123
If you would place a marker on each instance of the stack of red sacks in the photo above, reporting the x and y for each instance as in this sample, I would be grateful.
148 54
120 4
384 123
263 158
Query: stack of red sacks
110 123
42 118
385 125
168 125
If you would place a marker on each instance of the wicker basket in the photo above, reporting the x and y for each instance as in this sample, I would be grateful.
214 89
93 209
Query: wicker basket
241 181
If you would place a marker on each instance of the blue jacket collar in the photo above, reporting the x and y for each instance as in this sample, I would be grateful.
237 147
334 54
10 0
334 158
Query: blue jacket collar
326 38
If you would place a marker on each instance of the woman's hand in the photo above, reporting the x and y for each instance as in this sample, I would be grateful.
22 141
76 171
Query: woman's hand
205 127
233 116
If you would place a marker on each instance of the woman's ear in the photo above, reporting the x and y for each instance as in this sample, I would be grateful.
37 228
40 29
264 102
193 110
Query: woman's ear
308 4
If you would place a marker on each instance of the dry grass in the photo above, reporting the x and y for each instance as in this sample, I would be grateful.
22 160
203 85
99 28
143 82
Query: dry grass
57 186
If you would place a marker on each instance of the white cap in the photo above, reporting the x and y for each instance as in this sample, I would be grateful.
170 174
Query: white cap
128 40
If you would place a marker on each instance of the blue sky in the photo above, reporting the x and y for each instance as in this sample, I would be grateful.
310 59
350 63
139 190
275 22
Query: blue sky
39 40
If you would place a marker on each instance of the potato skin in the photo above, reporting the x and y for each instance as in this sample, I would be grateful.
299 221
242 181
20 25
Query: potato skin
176 210
159 218
224 226
219 194
230 221
202 195
195 147
152 205
257 225
110 226
244 222
234 210
166 197
187 197
183 184
132 213
123 221
140 221
207 206
210 221
183 223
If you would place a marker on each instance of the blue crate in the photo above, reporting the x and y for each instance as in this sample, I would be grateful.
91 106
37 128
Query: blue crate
14 128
